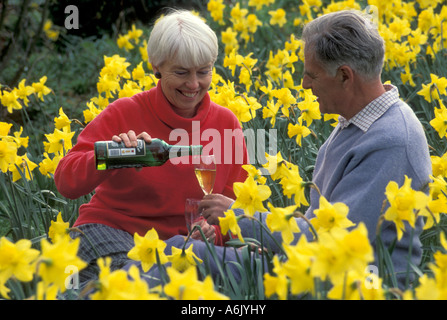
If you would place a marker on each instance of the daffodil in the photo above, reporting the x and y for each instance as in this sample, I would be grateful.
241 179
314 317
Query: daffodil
58 228
8 153
404 204
341 251
121 285
309 108
47 166
182 259
17 259
62 121
10 100
55 258
147 249
277 283
22 166
123 41
439 165
282 220
250 195
186 286
233 60
299 131
329 216
46 292
230 223
216 10
293 185
19 140
135 34
59 141
40 88
298 265
278 17
23 91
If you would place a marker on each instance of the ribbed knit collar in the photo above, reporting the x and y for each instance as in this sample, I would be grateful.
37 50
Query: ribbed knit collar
167 115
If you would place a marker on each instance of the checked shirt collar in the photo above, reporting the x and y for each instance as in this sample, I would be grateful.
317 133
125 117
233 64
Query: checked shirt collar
373 111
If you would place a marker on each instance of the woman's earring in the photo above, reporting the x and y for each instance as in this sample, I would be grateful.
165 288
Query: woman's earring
158 75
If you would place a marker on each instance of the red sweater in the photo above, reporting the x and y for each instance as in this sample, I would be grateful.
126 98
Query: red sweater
136 201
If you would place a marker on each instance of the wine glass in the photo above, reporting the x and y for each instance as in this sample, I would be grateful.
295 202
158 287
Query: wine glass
205 170
192 214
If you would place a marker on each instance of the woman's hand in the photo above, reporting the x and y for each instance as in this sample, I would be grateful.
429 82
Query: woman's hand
130 138
213 206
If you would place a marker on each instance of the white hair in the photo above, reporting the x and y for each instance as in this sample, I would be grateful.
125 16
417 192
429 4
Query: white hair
183 37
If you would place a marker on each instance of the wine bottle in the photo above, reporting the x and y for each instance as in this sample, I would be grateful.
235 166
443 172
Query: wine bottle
115 155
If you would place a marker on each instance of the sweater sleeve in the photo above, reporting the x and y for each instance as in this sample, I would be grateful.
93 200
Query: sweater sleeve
76 173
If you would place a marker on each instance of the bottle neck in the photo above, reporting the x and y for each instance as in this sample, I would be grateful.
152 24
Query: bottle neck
180 151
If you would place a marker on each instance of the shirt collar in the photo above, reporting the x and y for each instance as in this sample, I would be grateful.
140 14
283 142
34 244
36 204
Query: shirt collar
373 111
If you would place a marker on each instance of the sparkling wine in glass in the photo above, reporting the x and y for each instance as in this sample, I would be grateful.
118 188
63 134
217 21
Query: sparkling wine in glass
205 170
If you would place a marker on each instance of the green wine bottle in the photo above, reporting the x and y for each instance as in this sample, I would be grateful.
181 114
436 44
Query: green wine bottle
114 155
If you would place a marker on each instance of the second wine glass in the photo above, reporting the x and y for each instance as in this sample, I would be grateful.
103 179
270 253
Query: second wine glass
205 170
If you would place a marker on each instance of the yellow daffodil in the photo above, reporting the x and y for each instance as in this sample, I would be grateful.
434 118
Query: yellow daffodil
8 154
121 285
216 9
55 258
147 248
135 34
250 195
40 88
330 216
439 165
17 259
230 223
282 220
278 17
22 166
59 141
23 91
293 185
277 283
186 286
58 228
10 100
47 166
61 121
404 202
299 131
183 259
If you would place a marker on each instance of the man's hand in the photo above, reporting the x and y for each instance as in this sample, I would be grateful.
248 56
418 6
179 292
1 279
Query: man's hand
213 206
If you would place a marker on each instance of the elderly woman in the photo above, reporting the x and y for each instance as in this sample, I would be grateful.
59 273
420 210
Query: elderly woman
182 50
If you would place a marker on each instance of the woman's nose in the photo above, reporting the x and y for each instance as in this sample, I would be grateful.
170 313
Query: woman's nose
193 81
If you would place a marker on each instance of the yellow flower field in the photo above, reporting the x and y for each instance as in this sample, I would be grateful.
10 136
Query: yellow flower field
258 77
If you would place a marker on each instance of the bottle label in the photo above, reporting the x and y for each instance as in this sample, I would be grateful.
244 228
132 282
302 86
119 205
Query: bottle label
115 150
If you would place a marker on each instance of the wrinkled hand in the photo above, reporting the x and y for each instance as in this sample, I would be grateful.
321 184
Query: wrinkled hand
213 206
208 230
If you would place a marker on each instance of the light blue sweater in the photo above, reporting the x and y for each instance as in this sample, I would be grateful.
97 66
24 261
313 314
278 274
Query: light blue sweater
354 167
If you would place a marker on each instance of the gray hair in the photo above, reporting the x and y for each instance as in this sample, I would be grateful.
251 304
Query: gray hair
183 37
346 37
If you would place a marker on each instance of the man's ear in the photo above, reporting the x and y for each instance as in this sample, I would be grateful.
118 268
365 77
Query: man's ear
346 75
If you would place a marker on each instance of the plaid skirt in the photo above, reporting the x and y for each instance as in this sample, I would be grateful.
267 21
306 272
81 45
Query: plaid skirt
98 240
